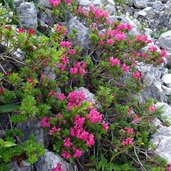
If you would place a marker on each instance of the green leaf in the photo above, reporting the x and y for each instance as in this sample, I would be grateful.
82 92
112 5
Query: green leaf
8 144
8 108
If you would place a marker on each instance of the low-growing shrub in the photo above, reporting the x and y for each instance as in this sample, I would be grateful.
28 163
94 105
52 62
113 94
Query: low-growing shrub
112 133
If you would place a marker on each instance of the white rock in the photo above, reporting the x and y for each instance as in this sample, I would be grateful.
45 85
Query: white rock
44 3
108 2
167 80
140 3
166 110
148 31
142 13
165 40
97 3
166 90
162 140
110 9
88 95
84 3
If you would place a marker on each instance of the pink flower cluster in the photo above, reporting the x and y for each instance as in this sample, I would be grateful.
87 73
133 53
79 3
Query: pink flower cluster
79 68
152 108
127 141
136 75
45 122
75 99
114 61
77 126
65 44
98 13
58 167
142 38
94 116
56 3
61 30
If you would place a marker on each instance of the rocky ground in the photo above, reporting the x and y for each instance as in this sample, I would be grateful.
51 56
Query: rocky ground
151 17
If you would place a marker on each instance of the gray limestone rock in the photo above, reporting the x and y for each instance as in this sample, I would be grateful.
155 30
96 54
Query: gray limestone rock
140 3
88 95
31 127
82 32
27 14
162 140
165 40
135 30
25 167
167 80
50 160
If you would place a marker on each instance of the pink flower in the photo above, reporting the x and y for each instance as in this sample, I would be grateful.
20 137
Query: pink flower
77 64
120 36
58 167
65 44
67 142
51 93
79 120
55 3
65 154
105 125
101 43
94 116
54 130
82 71
72 52
61 67
44 123
128 141
143 38
114 61
153 48
152 108
59 115
73 71
21 30
90 140
31 31
77 153
61 96
163 53
124 26
75 98
125 68
136 119
110 42
129 130
136 75
68 1
83 135
65 60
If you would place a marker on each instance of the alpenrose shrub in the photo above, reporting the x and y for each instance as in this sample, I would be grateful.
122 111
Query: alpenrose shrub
115 134
75 126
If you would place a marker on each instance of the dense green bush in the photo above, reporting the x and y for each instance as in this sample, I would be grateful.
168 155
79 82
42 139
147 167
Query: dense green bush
111 134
